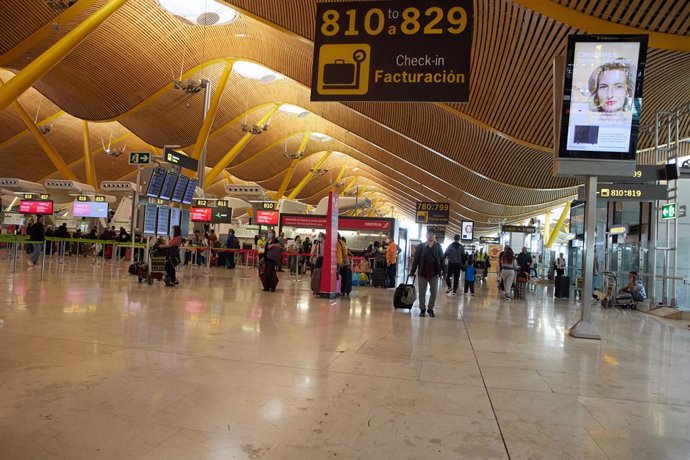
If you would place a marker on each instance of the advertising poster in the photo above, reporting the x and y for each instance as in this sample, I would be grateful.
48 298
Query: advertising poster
602 100
467 233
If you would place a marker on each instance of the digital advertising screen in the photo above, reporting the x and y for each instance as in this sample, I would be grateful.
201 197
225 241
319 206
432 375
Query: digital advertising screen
168 186
163 221
150 216
201 214
36 207
90 209
467 231
175 215
155 183
602 96
189 191
266 217
180 188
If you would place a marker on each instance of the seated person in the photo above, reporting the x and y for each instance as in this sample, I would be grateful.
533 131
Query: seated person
634 288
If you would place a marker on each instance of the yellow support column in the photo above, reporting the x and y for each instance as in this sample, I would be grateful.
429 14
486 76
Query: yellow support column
47 147
228 177
559 225
53 55
291 169
205 130
340 176
309 176
89 165
349 184
547 226
236 149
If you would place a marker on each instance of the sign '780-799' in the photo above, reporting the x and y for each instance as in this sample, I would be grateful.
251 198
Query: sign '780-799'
403 50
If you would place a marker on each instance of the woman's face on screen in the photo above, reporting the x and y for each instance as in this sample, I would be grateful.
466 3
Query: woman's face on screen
612 90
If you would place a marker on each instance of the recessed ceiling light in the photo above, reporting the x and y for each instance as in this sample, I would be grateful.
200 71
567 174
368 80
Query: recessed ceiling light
321 137
200 12
294 110
256 71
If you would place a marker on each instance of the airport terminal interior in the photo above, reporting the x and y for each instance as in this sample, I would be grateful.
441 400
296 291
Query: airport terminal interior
210 211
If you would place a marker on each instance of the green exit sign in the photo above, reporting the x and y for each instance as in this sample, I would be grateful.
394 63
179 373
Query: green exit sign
139 158
668 211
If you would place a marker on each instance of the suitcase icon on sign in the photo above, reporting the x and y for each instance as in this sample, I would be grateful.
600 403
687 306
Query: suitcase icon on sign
340 74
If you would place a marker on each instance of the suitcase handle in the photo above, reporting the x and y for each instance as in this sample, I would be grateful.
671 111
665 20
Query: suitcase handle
414 277
340 61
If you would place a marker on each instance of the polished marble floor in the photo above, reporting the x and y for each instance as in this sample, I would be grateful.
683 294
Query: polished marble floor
94 365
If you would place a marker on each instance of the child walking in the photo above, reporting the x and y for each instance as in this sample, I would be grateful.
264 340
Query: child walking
469 275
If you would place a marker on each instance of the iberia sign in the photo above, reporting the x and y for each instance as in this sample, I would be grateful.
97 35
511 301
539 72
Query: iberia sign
402 50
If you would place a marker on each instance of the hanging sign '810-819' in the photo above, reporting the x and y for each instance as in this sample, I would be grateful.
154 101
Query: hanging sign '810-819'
403 50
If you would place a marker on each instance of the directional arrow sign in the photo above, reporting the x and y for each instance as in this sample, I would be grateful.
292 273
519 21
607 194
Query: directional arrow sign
221 215
139 158
668 211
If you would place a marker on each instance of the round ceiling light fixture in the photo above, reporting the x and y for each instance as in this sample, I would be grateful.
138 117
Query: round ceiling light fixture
200 12
255 71
294 110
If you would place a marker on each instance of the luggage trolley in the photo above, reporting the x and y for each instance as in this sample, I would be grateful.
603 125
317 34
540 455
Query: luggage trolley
612 299
154 269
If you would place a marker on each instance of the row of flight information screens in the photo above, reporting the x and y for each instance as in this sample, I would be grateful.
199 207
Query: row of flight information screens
159 220
171 186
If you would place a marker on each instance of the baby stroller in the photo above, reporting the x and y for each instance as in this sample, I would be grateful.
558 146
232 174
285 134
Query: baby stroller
480 271
614 297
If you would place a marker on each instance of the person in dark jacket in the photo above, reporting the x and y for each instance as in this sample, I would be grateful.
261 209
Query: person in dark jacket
524 260
455 253
36 235
429 259
229 244
274 251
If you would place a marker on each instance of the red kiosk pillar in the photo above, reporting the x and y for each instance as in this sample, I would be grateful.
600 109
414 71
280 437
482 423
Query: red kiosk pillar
330 246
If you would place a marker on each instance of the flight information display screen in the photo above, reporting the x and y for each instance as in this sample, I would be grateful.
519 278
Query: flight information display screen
168 185
150 215
156 183
189 191
184 222
180 188
163 222
175 214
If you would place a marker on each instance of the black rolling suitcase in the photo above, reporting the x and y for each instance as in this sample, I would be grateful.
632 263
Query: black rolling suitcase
561 289
405 295
378 274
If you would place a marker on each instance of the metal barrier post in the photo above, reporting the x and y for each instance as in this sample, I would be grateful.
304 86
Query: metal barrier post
43 260
16 255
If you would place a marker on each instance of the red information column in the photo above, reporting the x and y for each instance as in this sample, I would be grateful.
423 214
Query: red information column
330 259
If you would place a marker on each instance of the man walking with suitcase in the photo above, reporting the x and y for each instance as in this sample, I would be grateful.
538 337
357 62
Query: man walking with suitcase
456 259
428 258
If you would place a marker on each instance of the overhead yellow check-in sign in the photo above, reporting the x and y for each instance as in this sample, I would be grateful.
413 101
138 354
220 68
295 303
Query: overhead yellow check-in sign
393 51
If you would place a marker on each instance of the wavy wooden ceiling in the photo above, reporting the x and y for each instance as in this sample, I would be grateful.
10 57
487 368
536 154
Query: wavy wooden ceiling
489 157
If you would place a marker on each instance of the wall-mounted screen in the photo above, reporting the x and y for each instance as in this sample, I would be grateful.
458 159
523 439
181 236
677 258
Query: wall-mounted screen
189 191
266 217
90 209
168 185
602 96
36 207
163 221
155 182
184 222
201 214
175 214
467 231
180 188
150 215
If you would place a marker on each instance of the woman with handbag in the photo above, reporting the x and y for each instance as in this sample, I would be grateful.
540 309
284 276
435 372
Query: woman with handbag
173 256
